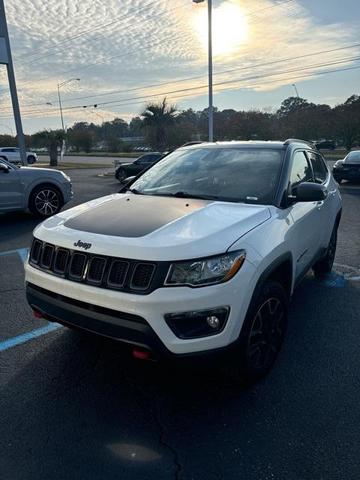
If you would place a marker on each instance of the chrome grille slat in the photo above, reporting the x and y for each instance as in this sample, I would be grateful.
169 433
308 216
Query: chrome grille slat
77 265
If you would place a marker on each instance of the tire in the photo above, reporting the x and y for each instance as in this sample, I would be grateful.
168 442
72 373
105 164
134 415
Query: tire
120 175
45 201
324 265
31 159
262 333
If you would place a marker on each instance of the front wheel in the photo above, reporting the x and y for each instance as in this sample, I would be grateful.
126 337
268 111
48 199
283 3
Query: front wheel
262 333
31 159
45 201
325 264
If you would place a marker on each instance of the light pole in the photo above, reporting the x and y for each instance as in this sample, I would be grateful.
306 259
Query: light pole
59 85
6 58
296 90
210 68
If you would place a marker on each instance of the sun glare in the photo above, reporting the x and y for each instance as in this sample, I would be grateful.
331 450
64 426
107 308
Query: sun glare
230 28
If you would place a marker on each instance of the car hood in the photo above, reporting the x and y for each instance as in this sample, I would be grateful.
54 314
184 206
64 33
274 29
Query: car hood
50 171
153 228
123 165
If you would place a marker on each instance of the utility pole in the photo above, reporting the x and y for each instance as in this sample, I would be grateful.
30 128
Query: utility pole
6 58
59 85
210 69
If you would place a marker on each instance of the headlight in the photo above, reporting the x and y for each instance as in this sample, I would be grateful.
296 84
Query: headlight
338 164
206 271
66 176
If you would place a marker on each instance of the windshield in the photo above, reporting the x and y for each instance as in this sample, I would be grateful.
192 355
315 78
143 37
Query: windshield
353 157
229 174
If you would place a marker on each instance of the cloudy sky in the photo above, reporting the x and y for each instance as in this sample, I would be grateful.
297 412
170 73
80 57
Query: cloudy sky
128 52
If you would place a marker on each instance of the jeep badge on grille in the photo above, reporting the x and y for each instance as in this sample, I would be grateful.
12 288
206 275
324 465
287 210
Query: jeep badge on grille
83 245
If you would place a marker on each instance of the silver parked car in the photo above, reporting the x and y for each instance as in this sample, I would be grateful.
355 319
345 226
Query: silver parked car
41 190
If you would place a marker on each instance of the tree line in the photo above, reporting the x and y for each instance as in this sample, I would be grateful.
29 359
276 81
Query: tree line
163 127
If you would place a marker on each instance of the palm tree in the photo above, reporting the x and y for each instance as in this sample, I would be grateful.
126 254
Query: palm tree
53 140
158 117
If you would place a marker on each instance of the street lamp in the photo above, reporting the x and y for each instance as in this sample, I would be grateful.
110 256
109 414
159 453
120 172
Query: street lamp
296 90
60 85
210 68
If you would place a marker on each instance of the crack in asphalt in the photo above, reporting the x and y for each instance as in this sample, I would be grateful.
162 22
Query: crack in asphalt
165 444
155 413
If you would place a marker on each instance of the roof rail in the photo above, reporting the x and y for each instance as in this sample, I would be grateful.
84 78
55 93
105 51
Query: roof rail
297 140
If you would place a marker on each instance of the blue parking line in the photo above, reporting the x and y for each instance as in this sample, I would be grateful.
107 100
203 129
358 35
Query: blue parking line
25 337
22 252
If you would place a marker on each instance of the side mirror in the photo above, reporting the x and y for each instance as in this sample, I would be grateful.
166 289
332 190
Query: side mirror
125 183
309 192
4 168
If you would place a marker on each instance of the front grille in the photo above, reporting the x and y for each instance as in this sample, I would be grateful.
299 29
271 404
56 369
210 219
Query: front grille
47 256
96 270
117 273
102 271
35 251
142 276
77 266
61 260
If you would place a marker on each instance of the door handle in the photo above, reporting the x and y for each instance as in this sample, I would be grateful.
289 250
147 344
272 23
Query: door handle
319 204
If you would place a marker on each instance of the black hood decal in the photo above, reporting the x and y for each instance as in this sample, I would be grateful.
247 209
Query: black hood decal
133 215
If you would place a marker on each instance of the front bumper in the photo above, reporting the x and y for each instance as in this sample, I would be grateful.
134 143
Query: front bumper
351 175
139 319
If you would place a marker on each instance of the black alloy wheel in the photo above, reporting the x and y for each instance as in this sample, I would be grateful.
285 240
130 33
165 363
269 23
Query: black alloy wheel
262 333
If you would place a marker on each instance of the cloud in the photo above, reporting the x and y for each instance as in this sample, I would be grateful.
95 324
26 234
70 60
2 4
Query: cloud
119 45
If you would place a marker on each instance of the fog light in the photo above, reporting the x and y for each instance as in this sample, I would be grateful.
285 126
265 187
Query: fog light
198 323
213 322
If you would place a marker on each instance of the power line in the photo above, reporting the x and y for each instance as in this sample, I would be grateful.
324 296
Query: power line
287 79
217 73
222 72
76 108
215 84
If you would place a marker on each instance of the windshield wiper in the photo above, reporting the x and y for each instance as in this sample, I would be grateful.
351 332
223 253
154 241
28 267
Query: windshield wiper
186 195
134 191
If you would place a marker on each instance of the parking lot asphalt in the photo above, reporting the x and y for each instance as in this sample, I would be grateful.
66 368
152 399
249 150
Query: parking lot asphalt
77 407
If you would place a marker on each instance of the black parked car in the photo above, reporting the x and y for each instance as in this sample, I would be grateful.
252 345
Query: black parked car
325 145
349 168
131 169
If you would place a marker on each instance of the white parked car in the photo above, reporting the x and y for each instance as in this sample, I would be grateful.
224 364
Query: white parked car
199 254
12 155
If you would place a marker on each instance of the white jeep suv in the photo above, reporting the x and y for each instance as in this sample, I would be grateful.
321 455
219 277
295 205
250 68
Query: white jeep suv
201 253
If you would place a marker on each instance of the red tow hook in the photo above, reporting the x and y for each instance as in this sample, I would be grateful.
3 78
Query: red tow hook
37 314
141 354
